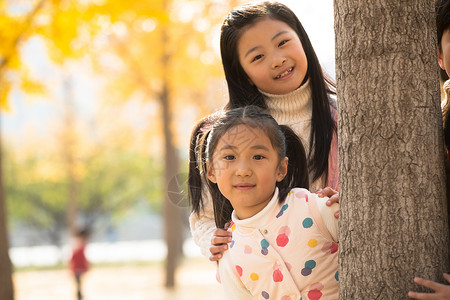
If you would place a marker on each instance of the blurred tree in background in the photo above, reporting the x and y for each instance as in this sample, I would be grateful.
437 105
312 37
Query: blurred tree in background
159 56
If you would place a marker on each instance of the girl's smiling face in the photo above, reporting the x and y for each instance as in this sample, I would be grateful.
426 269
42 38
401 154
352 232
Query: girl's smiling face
272 56
246 168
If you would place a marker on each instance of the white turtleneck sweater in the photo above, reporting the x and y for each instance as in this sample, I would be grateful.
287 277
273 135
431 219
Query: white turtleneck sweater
293 109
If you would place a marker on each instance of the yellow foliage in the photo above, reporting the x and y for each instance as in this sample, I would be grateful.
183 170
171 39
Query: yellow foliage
4 92
140 46
30 85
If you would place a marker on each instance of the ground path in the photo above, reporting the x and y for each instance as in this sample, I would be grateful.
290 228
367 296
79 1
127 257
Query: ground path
196 281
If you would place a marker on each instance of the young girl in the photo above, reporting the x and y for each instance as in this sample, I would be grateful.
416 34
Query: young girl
78 261
269 62
284 240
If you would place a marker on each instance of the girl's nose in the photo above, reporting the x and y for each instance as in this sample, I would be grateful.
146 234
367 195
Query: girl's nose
278 61
243 170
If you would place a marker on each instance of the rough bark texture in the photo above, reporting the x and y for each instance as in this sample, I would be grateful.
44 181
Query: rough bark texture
391 157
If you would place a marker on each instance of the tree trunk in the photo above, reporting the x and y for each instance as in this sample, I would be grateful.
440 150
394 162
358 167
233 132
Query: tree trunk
6 284
69 149
173 213
391 158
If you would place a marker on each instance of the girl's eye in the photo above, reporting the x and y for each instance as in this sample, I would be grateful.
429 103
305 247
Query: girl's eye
257 57
282 43
258 157
229 157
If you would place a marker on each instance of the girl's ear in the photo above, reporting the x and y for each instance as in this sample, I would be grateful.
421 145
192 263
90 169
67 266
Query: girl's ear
282 169
441 61
210 172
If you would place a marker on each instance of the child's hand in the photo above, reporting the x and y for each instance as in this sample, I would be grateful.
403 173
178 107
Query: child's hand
332 194
219 244
442 291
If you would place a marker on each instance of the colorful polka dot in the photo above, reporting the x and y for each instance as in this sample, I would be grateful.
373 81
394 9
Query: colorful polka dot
277 275
233 227
254 276
336 276
232 244
283 208
264 245
285 229
283 236
265 295
334 248
312 243
330 247
248 249
239 270
311 264
300 194
306 272
307 223
316 286
314 294
282 240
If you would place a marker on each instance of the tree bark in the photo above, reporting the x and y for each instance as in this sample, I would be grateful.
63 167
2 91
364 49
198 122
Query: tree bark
391 154
6 284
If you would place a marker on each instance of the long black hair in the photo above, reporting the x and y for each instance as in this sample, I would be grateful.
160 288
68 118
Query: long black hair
442 8
283 139
242 92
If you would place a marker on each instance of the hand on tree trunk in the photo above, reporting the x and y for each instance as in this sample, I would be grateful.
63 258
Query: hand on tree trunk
441 291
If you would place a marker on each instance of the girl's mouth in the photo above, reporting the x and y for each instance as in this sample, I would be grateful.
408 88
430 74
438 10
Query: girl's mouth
285 73
244 187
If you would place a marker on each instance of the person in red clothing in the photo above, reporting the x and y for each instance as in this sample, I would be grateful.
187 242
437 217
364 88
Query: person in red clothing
78 262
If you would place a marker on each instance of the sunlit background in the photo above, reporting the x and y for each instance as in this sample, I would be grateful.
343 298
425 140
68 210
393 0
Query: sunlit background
83 88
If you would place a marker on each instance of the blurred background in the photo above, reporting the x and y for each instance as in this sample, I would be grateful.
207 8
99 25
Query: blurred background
98 98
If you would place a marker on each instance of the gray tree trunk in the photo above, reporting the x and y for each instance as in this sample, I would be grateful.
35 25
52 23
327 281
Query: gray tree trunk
391 158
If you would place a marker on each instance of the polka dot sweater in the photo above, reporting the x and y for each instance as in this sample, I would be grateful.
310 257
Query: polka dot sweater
284 252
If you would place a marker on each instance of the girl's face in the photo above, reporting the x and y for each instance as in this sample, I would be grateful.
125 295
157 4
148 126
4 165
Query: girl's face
272 56
444 56
246 167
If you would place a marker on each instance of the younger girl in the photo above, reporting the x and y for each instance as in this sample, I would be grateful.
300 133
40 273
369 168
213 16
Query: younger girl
269 62
284 240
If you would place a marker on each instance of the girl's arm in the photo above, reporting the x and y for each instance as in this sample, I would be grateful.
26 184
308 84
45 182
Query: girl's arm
211 240
203 225
328 216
